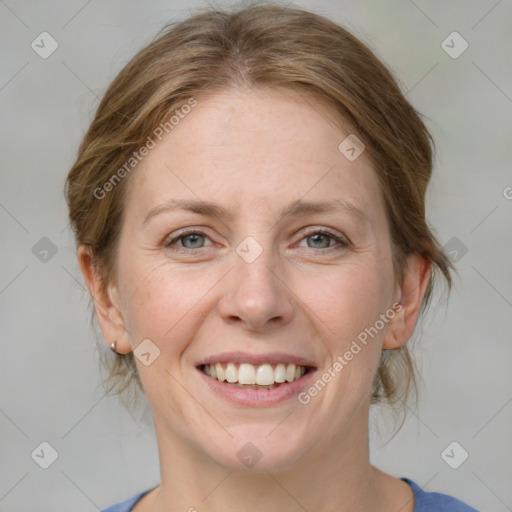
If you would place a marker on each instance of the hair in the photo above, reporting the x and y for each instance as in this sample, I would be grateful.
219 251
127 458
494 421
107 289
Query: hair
259 46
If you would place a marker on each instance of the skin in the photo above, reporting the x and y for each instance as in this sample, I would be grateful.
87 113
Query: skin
255 152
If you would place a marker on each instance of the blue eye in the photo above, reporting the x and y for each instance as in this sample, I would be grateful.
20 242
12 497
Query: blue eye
194 239
319 237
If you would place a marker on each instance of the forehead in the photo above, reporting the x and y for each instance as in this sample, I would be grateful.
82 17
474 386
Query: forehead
255 148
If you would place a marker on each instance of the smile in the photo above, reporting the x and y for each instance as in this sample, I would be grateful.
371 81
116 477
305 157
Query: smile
256 380
250 376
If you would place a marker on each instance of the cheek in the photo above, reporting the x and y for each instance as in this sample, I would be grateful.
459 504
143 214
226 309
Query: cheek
349 298
348 303
162 301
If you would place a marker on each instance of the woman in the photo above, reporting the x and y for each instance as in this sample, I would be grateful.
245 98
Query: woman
249 210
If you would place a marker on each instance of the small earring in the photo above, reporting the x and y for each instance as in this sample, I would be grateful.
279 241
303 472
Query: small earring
113 347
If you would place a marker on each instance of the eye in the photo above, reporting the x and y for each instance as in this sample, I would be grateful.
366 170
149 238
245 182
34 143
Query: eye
190 240
320 239
316 239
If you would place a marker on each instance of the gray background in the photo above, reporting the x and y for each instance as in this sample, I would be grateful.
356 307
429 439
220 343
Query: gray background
49 380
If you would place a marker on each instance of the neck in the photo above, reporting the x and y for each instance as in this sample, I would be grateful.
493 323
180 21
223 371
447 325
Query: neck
335 475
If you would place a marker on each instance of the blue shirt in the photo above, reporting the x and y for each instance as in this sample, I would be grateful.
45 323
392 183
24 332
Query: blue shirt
424 501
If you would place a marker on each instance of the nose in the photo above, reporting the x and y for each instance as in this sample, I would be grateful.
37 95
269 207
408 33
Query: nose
256 293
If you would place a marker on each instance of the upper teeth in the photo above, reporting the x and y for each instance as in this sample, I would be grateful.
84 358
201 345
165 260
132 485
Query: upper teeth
264 375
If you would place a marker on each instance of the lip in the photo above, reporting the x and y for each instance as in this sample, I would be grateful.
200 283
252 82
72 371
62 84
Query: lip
257 397
257 359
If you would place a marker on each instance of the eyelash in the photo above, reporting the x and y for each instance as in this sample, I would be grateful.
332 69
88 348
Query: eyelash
342 241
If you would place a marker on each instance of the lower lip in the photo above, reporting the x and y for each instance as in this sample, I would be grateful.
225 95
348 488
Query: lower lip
257 397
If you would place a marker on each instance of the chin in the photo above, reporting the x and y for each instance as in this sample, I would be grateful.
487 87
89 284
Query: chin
260 448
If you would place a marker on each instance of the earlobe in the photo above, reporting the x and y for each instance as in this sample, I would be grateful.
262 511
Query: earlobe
108 313
411 293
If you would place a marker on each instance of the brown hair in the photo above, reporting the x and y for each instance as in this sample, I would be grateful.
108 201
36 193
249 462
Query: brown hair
259 46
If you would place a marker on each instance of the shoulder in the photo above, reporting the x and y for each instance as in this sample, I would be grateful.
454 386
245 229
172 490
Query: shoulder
435 501
424 501
127 505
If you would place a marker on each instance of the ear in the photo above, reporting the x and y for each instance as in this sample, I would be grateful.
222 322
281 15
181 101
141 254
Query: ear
106 302
409 296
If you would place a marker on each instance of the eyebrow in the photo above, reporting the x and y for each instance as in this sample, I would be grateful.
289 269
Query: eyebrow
296 208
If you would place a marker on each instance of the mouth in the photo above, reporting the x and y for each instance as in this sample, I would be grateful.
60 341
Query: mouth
256 380
250 376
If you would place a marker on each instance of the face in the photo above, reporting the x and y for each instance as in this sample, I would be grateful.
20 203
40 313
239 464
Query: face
226 255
